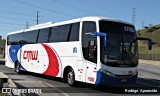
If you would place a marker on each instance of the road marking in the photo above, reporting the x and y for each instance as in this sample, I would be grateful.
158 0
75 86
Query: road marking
148 77
22 81
148 84
49 85
156 81
144 76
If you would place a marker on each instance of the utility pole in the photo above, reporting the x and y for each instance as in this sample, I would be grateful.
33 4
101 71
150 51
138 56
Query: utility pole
37 17
27 25
133 16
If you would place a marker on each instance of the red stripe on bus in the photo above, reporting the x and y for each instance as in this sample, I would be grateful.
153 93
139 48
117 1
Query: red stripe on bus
53 67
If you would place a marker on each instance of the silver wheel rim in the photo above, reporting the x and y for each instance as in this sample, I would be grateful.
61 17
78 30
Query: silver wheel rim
70 77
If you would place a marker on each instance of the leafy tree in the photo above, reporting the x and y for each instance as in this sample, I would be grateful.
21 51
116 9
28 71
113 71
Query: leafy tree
2 45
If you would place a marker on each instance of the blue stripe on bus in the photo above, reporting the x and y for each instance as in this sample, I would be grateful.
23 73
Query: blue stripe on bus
13 53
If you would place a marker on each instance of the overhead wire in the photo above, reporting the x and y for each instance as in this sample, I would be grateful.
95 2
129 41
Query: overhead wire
29 4
97 7
73 7
12 18
16 13
12 23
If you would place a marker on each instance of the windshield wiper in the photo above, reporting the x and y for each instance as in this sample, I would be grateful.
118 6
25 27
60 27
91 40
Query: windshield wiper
123 49
127 55
124 53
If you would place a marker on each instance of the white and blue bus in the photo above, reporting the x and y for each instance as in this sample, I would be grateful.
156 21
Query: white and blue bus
95 50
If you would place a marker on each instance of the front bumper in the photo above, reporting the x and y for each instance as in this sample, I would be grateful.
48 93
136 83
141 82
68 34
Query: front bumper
105 79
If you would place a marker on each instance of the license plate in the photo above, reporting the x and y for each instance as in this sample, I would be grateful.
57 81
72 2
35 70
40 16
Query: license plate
123 80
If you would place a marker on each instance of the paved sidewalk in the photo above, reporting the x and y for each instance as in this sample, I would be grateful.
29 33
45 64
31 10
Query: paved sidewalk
150 62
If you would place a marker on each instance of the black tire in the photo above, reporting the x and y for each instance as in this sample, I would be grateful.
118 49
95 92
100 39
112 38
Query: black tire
17 68
71 77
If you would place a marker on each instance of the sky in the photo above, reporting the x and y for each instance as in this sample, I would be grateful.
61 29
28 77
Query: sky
14 14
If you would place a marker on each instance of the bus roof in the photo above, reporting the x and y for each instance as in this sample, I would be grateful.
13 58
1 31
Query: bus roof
50 24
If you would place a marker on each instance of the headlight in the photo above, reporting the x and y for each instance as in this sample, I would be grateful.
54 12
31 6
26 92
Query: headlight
135 73
108 73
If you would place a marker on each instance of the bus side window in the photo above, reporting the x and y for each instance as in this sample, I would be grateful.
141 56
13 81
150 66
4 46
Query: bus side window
43 35
74 34
59 33
30 37
55 34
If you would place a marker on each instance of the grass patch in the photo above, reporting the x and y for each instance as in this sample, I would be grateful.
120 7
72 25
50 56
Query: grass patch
152 32
144 50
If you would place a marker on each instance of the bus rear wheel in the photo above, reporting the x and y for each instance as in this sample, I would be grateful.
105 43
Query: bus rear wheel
71 77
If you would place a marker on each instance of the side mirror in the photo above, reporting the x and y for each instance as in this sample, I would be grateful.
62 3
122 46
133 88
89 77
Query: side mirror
147 39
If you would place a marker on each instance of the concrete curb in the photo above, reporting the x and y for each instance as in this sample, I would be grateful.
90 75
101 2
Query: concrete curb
150 62
6 84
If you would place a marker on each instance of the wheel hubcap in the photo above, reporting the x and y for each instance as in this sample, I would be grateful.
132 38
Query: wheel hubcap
70 77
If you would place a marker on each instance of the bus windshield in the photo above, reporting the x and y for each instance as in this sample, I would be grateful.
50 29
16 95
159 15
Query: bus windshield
120 50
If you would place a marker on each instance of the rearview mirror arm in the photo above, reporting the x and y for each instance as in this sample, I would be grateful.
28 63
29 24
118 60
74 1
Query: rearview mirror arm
103 35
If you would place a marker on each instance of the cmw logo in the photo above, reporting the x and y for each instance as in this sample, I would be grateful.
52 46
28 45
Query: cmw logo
30 55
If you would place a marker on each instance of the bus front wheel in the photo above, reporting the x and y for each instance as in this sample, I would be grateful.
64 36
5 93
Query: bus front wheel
71 77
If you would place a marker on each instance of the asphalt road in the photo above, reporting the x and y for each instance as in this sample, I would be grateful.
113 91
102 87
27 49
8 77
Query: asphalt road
149 77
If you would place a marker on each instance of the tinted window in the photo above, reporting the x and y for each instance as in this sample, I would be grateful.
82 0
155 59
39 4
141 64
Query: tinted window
74 34
88 27
121 49
31 36
55 35
64 30
43 35
15 38
64 33
87 39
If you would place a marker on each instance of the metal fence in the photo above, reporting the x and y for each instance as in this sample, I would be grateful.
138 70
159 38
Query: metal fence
155 57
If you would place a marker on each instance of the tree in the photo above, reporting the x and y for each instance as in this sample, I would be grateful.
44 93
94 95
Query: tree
2 45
